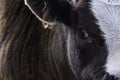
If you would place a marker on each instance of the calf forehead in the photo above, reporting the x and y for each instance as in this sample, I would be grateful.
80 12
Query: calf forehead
108 16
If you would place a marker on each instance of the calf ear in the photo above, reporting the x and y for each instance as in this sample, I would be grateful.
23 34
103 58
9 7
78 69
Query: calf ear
49 10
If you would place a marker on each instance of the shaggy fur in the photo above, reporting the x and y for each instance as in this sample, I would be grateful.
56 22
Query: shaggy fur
71 49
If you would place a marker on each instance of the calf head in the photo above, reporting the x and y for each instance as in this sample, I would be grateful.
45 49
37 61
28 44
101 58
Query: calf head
85 41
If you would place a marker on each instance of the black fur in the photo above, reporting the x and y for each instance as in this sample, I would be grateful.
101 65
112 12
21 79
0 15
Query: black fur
73 49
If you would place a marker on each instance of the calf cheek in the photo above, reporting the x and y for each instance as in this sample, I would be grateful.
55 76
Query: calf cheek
85 58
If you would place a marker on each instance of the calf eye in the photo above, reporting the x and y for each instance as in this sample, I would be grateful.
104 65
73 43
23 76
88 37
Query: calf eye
84 34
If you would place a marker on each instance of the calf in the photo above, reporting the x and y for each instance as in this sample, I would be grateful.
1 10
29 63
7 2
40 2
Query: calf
60 40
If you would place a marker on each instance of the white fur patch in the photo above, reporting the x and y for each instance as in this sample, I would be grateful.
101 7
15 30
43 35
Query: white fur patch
111 2
108 17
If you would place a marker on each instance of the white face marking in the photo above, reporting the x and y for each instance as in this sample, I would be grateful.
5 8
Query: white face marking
108 16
